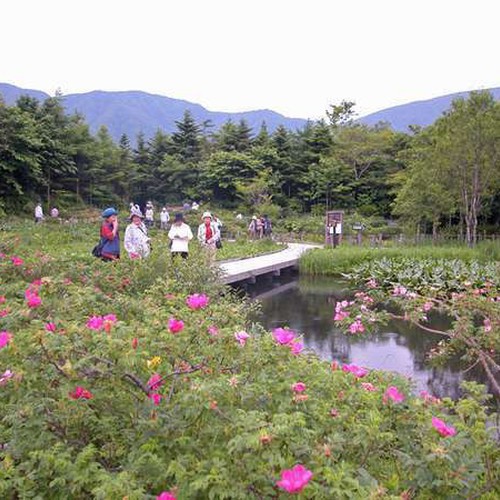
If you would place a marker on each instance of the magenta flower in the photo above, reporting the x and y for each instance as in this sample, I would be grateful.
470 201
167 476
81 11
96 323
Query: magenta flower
442 428
340 315
17 261
34 301
2 299
7 374
50 327
283 335
296 347
356 370
4 313
197 301
95 323
80 393
241 337
5 338
155 382
155 398
356 327
294 480
393 393
110 318
166 495
175 325
299 387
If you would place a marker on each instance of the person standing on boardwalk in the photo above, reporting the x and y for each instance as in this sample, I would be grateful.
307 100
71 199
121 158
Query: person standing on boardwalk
180 235
110 235
136 240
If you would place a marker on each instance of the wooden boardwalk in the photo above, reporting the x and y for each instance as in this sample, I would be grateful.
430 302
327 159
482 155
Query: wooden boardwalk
249 269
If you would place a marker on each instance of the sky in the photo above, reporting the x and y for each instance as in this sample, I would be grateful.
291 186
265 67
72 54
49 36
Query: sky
294 57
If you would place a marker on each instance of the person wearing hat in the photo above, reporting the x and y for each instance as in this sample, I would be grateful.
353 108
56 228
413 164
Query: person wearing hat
110 235
180 235
136 241
208 234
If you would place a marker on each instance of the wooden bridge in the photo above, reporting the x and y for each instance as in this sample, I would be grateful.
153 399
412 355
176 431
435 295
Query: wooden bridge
249 269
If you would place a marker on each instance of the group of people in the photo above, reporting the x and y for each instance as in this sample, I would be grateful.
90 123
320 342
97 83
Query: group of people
259 227
137 242
54 213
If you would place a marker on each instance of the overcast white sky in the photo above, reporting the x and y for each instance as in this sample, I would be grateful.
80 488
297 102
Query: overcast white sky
294 57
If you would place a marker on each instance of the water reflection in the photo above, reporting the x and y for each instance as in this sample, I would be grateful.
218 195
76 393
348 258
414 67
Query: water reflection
306 305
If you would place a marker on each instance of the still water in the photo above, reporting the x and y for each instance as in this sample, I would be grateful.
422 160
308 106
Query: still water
306 304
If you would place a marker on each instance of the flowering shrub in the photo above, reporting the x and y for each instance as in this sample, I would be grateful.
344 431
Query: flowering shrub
222 409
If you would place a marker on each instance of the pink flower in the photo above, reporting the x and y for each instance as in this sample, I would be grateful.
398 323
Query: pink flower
197 301
80 393
2 299
213 330
294 480
17 261
241 337
4 313
283 335
334 412
5 338
166 495
487 325
155 382
357 371
299 387
356 327
135 343
111 318
340 315
296 347
50 327
427 306
95 323
442 428
368 387
400 291
393 393
155 398
175 325
372 283
34 301
7 374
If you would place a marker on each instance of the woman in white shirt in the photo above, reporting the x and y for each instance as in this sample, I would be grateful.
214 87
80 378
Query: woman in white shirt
180 235
136 241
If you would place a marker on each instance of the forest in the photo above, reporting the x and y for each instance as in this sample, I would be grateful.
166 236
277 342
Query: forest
444 177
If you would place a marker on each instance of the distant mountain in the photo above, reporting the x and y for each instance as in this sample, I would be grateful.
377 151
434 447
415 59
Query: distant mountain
421 113
132 112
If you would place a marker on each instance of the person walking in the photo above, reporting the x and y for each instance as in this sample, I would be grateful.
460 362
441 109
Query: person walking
110 235
136 240
180 235
164 218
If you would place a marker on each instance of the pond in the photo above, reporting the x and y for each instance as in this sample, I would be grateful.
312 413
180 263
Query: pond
305 304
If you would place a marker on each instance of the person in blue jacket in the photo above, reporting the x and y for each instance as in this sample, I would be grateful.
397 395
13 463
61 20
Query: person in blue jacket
110 235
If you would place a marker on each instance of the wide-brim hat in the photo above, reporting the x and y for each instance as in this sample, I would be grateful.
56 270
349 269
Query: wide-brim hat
206 214
109 212
135 214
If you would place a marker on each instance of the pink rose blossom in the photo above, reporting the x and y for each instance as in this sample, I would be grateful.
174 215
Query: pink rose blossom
393 393
241 337
80 393
7 374
2 299
368 387
175 325
50 327
294 480
296 347
427 306
155 382
356 327
155 398
442 428
17 261
34 301
400 291
4 313
95 323
357 371
283 335
299 387
5 338
197 301
166 495
213 330
135 343
111 318
334 412
340 315
487 325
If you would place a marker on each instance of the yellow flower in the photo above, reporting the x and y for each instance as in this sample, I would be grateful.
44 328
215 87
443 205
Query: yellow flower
153 362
